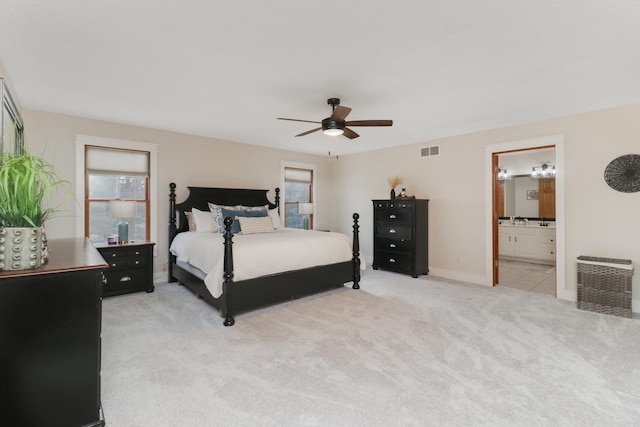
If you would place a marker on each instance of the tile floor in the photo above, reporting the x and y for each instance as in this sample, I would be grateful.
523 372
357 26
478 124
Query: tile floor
530 277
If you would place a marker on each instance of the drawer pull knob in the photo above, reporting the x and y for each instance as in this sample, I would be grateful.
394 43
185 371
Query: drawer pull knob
113 254
137 262
125 279
392 231
392 260
392 217
137 252
392 245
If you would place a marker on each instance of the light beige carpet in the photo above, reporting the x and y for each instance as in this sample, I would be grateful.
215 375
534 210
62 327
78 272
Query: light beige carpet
398 352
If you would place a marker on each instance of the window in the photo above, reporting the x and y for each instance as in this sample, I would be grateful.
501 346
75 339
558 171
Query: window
298 188
116 174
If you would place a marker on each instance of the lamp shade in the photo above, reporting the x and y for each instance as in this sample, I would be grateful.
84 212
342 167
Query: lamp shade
305 208
123 209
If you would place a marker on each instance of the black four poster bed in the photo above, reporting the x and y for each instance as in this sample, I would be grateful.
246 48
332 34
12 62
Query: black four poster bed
245 295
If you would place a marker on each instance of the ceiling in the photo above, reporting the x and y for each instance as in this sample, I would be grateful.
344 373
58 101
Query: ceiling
228 69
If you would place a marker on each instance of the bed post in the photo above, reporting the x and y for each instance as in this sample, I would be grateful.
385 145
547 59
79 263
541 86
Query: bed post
228 272
172 226
356 252
278 199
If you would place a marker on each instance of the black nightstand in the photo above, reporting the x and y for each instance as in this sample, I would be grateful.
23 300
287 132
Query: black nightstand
130 268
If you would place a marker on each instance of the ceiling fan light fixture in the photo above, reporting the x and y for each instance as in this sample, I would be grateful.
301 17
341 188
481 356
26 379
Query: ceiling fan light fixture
332 128
333 132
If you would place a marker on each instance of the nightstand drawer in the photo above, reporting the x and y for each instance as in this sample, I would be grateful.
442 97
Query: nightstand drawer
394 231
130 268
126 258
135 278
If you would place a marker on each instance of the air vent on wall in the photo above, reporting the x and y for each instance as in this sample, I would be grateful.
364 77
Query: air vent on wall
430 151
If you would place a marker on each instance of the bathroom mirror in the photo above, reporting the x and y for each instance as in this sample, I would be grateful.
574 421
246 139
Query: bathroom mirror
517 197
11 126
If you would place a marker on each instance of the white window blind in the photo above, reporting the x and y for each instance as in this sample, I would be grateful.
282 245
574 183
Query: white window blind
301 176
109 161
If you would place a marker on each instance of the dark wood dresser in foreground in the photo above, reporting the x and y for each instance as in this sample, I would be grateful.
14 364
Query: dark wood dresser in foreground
130 268
401 236
50 323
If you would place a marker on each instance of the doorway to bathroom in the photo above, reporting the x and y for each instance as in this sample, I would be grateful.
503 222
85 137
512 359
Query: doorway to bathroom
492 218
525 209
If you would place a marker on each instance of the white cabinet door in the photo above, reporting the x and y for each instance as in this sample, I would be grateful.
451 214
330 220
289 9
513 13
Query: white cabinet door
526 245
505 242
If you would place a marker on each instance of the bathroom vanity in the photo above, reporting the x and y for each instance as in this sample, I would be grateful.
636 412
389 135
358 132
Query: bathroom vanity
528 242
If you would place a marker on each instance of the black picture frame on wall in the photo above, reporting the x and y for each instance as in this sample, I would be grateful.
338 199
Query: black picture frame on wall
11 125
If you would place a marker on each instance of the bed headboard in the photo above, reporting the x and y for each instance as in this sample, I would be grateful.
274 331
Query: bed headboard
199 198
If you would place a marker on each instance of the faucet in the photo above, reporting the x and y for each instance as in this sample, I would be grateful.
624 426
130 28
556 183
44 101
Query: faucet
542 222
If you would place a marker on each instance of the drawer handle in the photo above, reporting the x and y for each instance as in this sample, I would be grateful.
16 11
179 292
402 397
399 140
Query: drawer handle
392 260
552 240
392 231
137 252
137 262
113 265
392 245
125 279
392 217
113 254
104 279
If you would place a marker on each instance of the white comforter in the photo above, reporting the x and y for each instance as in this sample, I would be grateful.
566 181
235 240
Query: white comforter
256 255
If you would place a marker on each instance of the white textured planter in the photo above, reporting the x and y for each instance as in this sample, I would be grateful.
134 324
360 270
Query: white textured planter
21 248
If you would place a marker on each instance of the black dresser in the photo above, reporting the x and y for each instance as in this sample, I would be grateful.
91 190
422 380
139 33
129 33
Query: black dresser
50 322
401 236
130 268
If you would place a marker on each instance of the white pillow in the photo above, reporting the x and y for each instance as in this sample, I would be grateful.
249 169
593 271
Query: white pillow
253 225
275 218
203 221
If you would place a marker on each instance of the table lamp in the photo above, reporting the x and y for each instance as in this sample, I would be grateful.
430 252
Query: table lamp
123 209
305 209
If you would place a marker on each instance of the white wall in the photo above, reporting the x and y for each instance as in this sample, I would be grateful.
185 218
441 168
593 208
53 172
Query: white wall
599 221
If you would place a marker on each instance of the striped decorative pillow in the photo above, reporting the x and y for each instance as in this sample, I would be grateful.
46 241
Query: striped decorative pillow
253 225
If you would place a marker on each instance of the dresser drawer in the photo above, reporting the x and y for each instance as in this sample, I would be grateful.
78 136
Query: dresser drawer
394 216
394 245
134 278
393 261
393 231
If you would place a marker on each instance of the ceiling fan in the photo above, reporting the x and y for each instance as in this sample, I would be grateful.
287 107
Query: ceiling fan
336 125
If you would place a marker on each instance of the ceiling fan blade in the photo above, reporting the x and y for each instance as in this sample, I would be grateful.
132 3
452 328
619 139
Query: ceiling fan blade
350 134
297 120
340 113
370 123
308 132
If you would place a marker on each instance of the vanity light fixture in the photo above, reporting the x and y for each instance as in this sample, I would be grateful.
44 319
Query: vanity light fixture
503 174
543 171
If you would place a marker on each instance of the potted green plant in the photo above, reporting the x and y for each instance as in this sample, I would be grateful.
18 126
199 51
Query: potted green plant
26 185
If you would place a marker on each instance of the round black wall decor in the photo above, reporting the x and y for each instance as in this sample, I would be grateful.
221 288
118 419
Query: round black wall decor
623 173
